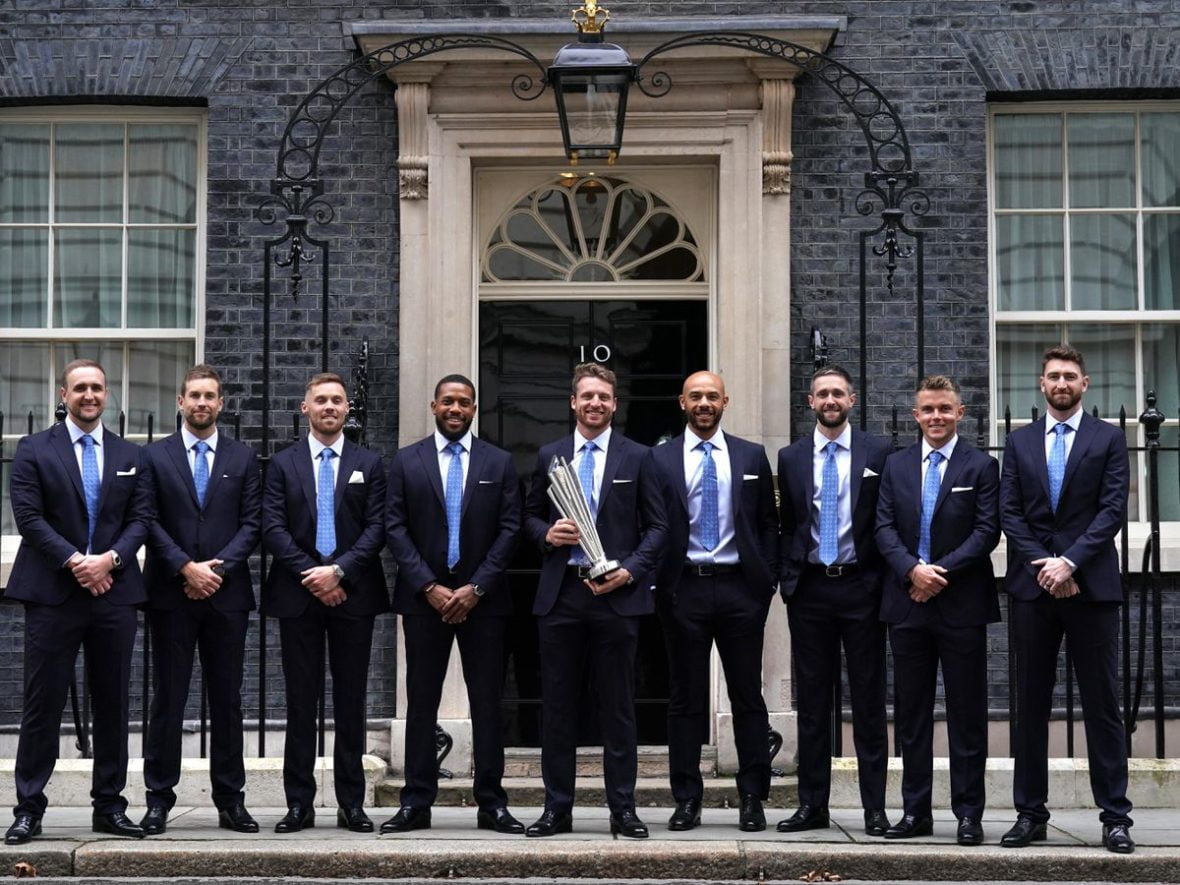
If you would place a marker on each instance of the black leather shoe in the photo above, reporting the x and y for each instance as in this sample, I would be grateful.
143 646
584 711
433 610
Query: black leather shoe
550 823
686 816
407 818
297 818
909 827
116 823
970 832
498 819
353 819
876 822
1024 832
236 818
627 823
806 817
24 828
155 821
1115 837
751 818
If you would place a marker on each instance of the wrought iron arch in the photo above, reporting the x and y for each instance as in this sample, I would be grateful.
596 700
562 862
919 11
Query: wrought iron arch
297 191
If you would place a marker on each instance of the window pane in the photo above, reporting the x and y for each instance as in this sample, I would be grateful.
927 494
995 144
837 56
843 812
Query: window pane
1110 363
1161 366
1103 262
1018 367
87 279
23 271
1161 261
89 173
1030 261
109 354
1160 134
160 278
1028 161
24 173
24 370
156 370
162 165
1101 160
1169 470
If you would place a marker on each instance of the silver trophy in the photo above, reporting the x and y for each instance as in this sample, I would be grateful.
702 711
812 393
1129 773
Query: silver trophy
565 491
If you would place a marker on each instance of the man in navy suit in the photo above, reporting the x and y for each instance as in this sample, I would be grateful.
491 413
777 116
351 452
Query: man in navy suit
208 496
715 584
452 518
81 497
587 624
937 523
830 577
323 521
1062 501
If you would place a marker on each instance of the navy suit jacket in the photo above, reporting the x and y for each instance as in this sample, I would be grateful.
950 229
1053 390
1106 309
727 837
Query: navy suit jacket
963 533
755 519
796 482
288 531
1089 515
50 511
416 526
631 523
226 528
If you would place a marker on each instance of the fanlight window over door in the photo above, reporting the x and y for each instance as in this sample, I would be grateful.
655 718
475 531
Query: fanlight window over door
592 229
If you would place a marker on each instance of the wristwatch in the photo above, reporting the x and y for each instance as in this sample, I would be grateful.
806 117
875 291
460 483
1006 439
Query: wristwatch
116 559
478 590
338 572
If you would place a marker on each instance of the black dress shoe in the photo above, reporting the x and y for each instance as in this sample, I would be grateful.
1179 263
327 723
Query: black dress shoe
116 823
970 832
686 816
24 828
353 819
876 822
1115 837
1024 832
236 818
751 818
297 818
627 823
407 818
550 823
806 817
909 827
155 821
498 819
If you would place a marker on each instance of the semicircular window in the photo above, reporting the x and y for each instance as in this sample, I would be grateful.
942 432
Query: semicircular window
591 229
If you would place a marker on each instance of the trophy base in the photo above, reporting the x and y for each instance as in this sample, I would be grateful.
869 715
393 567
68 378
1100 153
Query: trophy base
600 571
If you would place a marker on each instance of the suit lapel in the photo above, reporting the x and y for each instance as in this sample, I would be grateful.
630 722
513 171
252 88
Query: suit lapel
306 473
60 440
736 478
220 457
677 456
428 457
1082 440
348 461
1038 454
859 459
476 460
110 466
614 456
174 446
954 467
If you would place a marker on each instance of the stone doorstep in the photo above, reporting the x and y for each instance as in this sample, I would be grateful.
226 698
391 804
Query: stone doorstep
1154 783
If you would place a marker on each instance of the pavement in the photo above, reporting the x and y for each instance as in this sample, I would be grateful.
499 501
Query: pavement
195 849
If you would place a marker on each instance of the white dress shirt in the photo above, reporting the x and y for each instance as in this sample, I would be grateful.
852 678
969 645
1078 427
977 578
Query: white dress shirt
444 457
76 433
1074 421
601 442
694 466
316 447
190 439
845 543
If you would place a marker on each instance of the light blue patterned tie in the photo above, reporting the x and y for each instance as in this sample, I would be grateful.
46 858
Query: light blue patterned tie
929 499
325 506
454 499
710 517
586 478
90 484
200 470
829 507
1057 465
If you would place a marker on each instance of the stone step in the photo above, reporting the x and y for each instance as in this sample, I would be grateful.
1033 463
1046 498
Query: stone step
653 761
650 792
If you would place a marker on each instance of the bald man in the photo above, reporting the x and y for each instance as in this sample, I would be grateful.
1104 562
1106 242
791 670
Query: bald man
715 585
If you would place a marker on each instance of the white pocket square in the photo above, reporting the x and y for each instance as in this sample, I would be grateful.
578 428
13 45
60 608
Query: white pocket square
748 476
487 482
130 472
357 476
621 481
962 489
869 471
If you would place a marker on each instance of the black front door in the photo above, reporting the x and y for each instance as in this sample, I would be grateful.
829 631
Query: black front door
527 353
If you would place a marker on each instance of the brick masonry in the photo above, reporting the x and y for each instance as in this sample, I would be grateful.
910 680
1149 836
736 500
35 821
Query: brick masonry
252 61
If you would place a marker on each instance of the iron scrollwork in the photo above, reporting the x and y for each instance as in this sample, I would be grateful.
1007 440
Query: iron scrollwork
358 407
